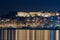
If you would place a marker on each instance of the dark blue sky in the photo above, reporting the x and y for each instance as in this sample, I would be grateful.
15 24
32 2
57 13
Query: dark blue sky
28 5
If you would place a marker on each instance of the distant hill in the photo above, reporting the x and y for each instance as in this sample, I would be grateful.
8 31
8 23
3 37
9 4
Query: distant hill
10 14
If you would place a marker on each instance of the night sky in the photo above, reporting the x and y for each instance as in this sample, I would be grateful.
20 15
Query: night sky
28 5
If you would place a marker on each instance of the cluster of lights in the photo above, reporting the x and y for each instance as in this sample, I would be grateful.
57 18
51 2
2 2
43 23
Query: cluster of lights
33 14
33 22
